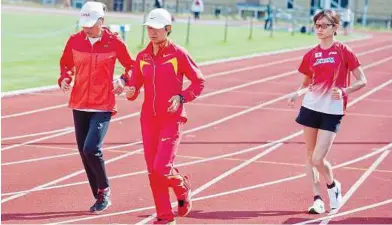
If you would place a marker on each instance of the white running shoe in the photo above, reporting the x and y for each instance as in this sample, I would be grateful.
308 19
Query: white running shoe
335 195
317 207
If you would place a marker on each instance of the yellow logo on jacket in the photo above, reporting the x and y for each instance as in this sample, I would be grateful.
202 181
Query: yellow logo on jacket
174 63
143 63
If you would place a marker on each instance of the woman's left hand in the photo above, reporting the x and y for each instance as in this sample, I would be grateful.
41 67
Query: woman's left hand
175 103
118 86
337 93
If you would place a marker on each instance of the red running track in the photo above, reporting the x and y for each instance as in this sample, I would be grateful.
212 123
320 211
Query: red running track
237 176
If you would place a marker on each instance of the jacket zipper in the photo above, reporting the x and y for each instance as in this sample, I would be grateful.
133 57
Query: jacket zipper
89 75
155 94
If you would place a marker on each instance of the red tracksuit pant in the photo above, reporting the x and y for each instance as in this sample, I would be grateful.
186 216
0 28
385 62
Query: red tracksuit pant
161 138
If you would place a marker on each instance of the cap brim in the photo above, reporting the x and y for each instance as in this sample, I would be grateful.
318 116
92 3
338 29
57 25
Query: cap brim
154 25
83 22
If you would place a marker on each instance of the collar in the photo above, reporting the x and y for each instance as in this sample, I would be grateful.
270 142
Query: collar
104 37
163 47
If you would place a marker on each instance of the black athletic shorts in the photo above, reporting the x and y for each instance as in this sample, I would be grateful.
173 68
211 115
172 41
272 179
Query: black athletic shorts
319 120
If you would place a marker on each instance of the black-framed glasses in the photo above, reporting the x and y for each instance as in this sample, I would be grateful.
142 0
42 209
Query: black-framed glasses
323 26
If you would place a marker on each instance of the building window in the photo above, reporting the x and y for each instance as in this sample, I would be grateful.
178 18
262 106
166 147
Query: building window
290 4
343 3
335 3
339 3
314 5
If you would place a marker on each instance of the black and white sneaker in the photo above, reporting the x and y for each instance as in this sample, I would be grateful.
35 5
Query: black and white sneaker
103 201
317 207
335 195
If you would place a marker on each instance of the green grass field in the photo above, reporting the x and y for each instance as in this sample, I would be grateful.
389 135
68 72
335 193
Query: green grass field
32 44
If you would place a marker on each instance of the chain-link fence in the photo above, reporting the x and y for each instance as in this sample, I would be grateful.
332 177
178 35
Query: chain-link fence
291 19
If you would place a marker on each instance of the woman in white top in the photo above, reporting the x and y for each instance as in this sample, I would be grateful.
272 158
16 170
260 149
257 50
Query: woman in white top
327 69
346 19
197 8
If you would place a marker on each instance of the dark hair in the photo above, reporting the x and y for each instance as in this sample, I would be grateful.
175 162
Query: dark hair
104 7
330 15
166 30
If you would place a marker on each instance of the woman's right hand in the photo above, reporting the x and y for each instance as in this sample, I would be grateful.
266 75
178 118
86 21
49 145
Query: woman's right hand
65 86
129 91
292 98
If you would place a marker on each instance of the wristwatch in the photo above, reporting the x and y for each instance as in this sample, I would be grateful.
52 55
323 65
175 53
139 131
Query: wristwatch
182 99
122 77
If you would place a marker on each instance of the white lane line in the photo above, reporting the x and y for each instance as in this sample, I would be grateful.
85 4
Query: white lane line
192 130
39 159
219 61
355 187
33 111
355 160
220 177
35 134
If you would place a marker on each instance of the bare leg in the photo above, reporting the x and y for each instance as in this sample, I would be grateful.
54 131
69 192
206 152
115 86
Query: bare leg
323 145
310 141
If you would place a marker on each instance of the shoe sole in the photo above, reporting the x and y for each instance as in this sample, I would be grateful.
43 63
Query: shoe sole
190 204
98 212
312 211
190 209
171 223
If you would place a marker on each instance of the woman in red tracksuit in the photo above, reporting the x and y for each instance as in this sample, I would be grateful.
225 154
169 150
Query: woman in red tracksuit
161 67
89 57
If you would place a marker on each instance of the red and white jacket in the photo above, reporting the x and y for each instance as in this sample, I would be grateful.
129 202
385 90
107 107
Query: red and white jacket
92 67
162 76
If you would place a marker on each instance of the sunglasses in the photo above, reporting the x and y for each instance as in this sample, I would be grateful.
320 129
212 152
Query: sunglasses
323 26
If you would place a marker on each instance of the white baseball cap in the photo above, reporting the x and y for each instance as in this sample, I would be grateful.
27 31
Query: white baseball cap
158 18
90 13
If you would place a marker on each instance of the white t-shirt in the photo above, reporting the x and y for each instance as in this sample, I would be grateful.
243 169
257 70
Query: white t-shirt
93 40
323 102
346 15
197 6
